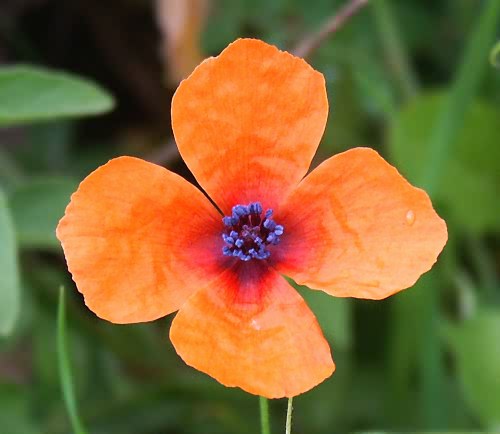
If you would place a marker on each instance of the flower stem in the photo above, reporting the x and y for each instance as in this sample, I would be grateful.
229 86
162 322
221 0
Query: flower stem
306 47
65 369
264 415
289 410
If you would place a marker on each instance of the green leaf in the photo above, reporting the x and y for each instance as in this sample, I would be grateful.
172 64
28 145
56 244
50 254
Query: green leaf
9 273
65 368
475 344
469 178
37 206
31 94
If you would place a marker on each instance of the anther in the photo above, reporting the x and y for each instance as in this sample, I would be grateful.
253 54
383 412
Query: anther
248 234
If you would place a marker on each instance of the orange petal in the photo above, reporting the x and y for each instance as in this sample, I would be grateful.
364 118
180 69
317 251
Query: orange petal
249 121
356 228
252 330
139 240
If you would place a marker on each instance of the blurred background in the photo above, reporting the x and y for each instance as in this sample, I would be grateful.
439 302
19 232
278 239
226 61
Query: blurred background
410 78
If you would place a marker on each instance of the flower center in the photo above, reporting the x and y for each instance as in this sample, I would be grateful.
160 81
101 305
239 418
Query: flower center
247 233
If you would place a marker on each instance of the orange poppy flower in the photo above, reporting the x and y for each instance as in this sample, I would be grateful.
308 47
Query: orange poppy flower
141 242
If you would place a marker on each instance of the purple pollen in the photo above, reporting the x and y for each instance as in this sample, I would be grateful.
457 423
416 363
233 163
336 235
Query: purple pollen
248 233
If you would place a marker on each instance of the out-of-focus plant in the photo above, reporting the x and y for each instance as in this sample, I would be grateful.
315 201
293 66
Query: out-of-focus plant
32 94
389 74
30 208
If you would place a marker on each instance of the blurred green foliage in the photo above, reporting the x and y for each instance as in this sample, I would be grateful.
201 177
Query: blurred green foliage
34 94
9 270
470 179
411 78
478 361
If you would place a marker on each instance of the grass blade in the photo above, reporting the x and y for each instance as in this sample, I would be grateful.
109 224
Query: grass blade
65 369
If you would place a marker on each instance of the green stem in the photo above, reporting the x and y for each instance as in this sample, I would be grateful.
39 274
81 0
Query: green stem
65 369
264 416
397 57
289 410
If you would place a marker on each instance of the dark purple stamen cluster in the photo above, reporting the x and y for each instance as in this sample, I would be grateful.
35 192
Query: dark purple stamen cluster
247 233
